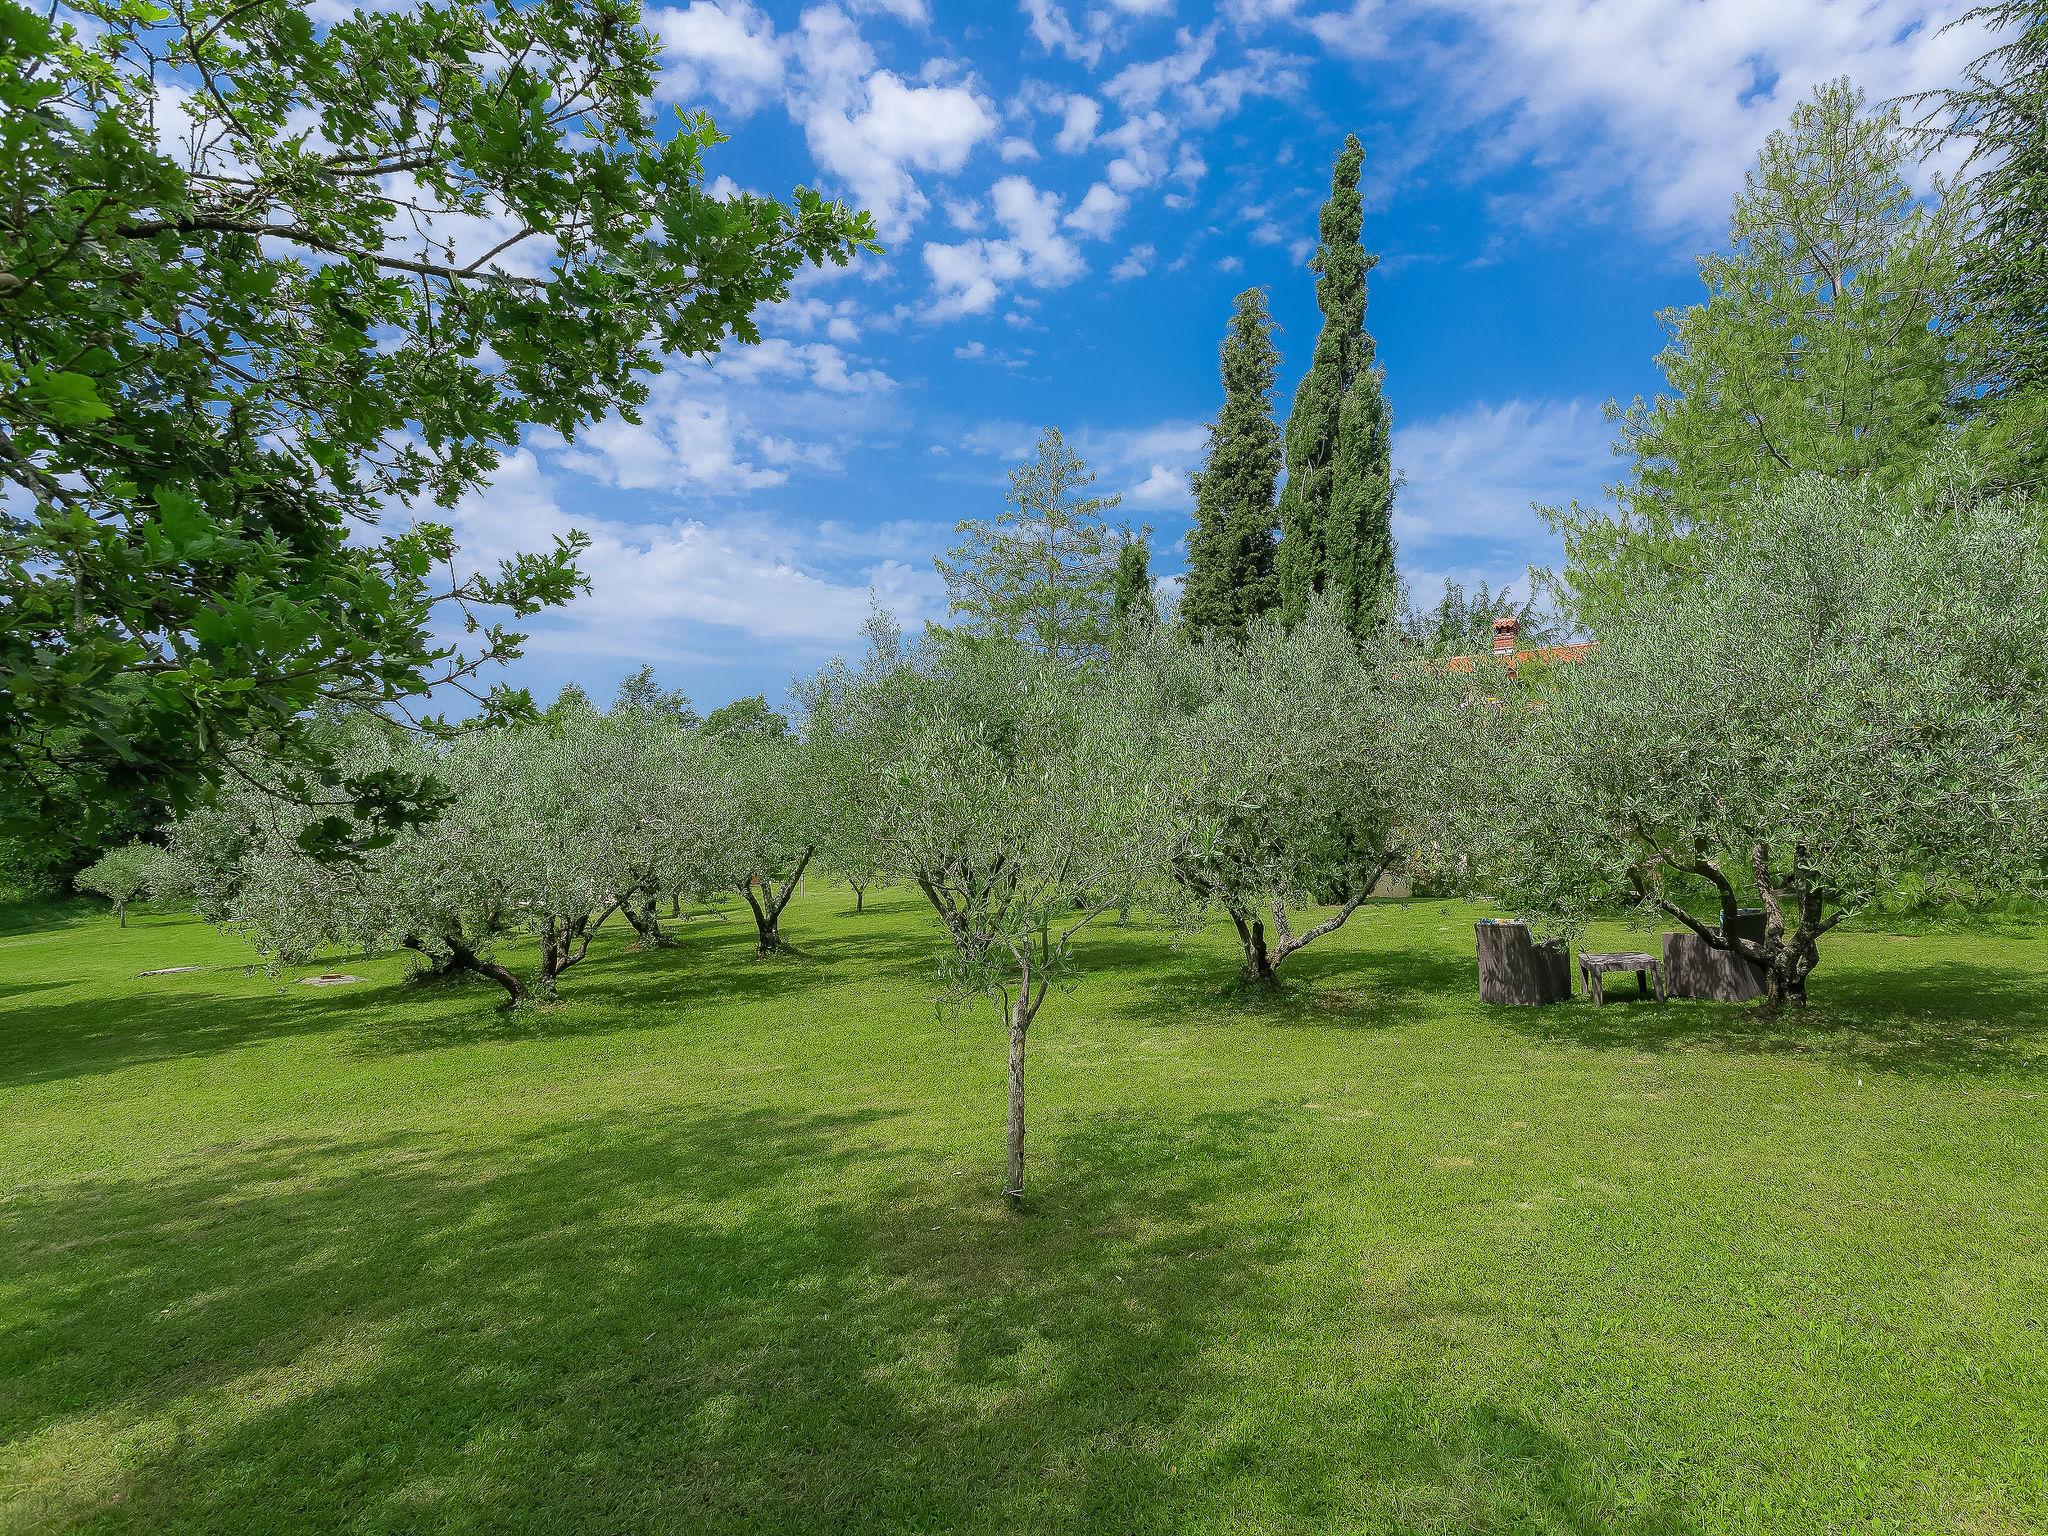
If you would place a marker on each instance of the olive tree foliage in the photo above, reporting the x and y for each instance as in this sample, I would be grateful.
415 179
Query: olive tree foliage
1847 706
545 830
762 821
1010 788
1296 768
122 874
450 889
263 275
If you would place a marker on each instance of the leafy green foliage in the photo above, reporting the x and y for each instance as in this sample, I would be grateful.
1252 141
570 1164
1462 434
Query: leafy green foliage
1336 509
1231 547
122 874
357 263
1294 769
1043 572
640 694
1012 788
1852 705
1460 623
1133 605
1998 113
750 716
1828 343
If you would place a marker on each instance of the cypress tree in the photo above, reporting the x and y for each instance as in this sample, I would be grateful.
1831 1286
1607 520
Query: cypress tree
1133 605
1336 530
1231 546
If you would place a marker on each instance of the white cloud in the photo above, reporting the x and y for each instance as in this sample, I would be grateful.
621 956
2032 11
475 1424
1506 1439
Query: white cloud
1098 212
1663 101
744 420
870 128
1053 31
1473 474
722 48
819 363
1014 149
1080 117
1136 263
1147 466
971 274
804 586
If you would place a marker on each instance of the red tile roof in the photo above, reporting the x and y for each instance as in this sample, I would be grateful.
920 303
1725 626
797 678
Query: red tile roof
1549 654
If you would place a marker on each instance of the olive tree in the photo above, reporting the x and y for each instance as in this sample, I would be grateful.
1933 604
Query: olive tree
1294 769
762 821
545 830
122 874
1848 705
1012 791
449 890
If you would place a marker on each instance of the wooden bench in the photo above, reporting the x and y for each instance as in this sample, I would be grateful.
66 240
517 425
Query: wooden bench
1594 967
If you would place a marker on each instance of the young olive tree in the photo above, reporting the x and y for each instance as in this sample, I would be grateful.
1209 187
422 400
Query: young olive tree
1010 788
1294 771
1848 705
122 874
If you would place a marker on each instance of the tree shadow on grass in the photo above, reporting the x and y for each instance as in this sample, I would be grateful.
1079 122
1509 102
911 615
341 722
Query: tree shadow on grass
1945 1019
744 1321
1323 986
48 1042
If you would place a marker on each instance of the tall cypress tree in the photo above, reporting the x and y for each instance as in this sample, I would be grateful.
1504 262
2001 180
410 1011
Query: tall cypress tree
1131 602
1336 531
1231 546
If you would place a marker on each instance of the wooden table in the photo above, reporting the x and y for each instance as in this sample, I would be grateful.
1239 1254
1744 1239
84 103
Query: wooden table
1592 967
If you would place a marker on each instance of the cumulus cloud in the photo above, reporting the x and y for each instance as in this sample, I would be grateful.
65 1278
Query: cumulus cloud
742 421
653 585
1098 212
1148 466
1054 31
1663 102
970 275
724 49
1079 118
871 128
1137 262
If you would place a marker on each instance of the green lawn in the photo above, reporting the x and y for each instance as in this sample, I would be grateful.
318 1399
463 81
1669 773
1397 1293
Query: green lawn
716 1244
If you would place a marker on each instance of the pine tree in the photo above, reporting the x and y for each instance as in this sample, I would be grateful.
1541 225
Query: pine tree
1042 572
1132 602
1231 546
1336 530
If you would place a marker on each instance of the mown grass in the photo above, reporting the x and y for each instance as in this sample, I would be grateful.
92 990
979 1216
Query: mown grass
716 1244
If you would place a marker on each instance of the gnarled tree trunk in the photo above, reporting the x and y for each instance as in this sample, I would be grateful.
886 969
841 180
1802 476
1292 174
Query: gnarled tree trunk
769 903
463 958
646 922
1788 957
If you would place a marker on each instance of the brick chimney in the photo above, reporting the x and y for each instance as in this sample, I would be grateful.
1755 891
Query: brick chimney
1506 630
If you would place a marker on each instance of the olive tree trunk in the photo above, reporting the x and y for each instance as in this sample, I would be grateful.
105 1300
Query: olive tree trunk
768 904
1023 1008
1789 957
463 958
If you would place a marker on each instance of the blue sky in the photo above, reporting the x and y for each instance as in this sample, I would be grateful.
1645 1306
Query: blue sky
1071 194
